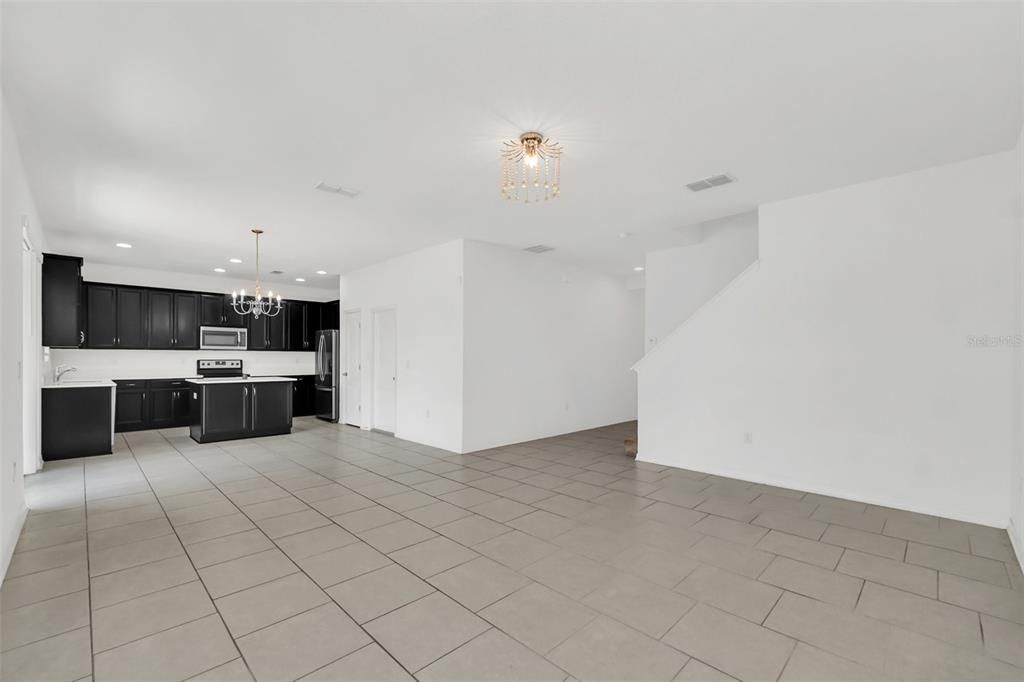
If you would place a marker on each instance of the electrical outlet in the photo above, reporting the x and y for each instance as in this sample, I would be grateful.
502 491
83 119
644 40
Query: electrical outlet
428 414
566 405
748 437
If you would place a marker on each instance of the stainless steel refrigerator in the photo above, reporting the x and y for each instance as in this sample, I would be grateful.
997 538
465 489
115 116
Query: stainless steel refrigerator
328 375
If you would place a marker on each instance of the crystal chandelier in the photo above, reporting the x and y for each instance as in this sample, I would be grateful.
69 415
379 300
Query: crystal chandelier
532 169
258 304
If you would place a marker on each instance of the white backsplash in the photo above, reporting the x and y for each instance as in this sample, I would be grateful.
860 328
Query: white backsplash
170 364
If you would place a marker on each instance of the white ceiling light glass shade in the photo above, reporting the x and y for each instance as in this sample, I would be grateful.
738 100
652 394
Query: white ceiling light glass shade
638 268
321 272
234 260
531 169
258 304
219 270
300 279
123 245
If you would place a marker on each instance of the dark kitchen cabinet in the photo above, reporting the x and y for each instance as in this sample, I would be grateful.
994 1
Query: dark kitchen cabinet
168 403
75 422
101 309
62 301
216 311
131 317
268 333
173 320
211 310
271 407
296 313
222 409
331 315
161 319
152 404
303 324
304 396
186 321
225 411
130 412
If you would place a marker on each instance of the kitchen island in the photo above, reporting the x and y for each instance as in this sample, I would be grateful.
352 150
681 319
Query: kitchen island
228 408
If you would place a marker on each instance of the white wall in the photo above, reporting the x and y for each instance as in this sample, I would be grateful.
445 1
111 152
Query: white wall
845 358
18 210
548 349
1016 528
172 364
425 288
682 279
118 274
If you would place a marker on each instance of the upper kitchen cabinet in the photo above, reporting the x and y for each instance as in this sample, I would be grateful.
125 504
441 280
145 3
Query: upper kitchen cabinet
101 309
268 333
173 320
303 323
131 317
216 311
331 315
186 321
116 316
62 300
211 310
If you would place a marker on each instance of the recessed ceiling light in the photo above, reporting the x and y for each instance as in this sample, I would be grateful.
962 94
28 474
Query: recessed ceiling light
123 245
300 279
234 260
219 270
638 268
321 272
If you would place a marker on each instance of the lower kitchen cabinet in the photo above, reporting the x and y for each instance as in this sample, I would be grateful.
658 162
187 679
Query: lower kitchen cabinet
76 422
304 396
227 411
152 404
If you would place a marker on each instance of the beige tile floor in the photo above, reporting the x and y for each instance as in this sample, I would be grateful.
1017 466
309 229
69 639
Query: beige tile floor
337 554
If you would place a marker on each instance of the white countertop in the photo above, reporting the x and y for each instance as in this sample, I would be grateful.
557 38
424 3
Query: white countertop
240 380
71 383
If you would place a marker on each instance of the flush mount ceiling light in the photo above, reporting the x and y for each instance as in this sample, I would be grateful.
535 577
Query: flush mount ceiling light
638 268
321 272
234 260
123 245
258 304
531 169
219 270
300 279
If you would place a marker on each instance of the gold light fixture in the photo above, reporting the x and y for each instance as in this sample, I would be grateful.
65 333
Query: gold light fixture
531 169
258 304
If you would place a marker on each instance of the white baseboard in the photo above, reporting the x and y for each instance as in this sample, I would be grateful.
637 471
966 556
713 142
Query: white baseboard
5 560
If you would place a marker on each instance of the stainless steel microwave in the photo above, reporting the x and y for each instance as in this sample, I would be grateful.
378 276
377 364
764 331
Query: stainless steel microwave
223 338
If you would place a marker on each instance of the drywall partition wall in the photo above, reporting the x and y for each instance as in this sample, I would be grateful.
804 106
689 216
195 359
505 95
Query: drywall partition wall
1016 528
118 274
866 356
171 364
682 279
548 347
425 289
18 215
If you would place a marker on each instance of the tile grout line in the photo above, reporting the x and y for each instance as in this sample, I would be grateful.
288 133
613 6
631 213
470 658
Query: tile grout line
298 567
189 558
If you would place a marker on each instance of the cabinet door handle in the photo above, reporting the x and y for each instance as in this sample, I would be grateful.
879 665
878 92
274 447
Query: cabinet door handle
81 337
254 407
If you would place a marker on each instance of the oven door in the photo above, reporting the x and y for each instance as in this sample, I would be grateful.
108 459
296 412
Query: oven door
223 338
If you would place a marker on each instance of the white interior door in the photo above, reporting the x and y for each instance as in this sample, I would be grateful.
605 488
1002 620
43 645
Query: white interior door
385 370
30 409
351 380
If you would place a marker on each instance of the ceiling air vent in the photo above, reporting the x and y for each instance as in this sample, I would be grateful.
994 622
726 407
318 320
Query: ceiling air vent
709 182
539 248
337 189
277 272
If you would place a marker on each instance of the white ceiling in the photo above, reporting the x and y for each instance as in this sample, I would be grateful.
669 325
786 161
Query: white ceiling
178 126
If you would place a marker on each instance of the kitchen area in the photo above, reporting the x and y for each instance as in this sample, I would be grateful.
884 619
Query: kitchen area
126 357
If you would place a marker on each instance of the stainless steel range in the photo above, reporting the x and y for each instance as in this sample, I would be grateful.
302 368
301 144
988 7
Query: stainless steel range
215 369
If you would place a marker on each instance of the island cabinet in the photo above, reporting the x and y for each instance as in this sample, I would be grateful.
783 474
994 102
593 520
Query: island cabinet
227 410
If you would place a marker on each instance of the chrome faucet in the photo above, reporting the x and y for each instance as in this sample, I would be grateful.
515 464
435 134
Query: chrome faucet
62 370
